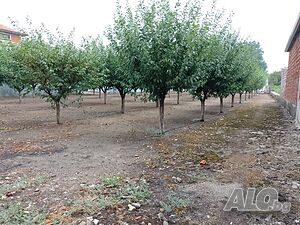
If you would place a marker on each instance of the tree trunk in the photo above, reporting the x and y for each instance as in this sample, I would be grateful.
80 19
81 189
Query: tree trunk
221 105
249 95
57 106
232 100
157 103
20 97
94 90
202 110
99 92
241 98
161 113
122 102
33 91
135 96
245 96
104 94
178 96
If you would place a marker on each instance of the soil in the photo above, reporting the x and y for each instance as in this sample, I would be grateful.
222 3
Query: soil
254 144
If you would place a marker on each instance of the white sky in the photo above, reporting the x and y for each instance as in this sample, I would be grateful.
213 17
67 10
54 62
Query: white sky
268 21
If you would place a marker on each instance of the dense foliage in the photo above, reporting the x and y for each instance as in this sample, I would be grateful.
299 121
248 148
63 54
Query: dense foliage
275 78
157 48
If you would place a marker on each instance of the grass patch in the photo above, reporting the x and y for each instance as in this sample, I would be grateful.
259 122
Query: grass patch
19 184
11 209
22 183
110 192
136 191
40 180
13 214
175 203
111 182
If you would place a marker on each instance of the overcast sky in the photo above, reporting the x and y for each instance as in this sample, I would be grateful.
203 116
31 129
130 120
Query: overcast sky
268 21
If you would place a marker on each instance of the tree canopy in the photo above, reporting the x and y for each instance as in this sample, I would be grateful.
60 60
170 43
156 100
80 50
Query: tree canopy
156 47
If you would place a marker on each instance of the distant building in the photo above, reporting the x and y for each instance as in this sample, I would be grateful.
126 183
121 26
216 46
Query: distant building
8 34
292 84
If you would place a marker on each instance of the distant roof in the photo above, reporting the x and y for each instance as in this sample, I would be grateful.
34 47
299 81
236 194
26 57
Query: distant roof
10 30
294 35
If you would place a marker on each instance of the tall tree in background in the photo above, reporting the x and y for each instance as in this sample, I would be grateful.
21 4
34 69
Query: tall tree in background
15 68
163 51
255 69
160 47
275 78
275 81
94 52
206 56
123 51
229 68
60 66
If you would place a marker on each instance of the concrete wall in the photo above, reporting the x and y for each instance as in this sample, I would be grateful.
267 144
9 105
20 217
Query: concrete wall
283 81
291 108
6 91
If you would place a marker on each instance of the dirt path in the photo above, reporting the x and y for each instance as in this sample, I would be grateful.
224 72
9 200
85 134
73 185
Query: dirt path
94 140
253 145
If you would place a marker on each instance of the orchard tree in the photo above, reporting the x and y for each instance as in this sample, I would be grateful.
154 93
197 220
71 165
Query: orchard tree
206 68
198 68
116 76
206 59
94 52
241 63
14 67
255 69
61 68
180 84
227 79
163 51
3 62
123 50
206 55
220 76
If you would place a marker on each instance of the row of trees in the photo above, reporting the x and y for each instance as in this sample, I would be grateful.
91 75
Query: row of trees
156 48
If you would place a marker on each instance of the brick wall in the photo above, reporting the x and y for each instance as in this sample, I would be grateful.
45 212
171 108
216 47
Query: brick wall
292 78
15 38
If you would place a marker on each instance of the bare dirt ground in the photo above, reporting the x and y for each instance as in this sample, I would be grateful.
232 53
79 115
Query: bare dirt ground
99 161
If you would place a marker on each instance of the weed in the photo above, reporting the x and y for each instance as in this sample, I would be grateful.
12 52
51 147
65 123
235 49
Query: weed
40 180
110 192
13 214
83 206
19 184
106 201
137 191
173 202
111 182
57 222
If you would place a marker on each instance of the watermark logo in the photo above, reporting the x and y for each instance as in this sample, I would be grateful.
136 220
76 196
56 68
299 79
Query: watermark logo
250 200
